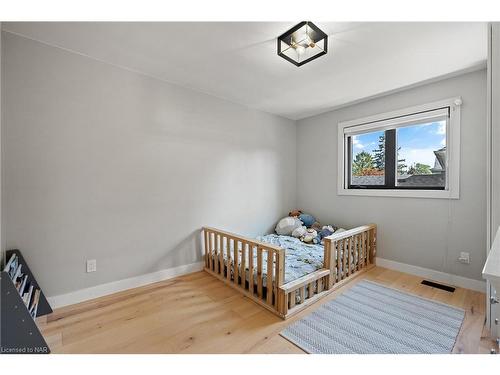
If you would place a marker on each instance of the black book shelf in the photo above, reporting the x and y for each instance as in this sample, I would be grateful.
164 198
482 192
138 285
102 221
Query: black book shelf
19 333
43 305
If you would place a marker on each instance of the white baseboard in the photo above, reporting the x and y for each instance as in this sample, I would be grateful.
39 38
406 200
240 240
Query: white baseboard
137 281
427 273
120 285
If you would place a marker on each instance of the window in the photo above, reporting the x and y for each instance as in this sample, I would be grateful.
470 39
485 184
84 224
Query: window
411 152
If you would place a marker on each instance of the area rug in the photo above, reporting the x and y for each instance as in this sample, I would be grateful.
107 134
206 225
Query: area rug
371 318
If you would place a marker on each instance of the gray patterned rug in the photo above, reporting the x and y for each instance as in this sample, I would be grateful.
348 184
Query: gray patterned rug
370 318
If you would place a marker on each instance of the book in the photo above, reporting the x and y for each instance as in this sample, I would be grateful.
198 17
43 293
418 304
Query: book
13 267
34 305
7 266
23 285
17 274
28 295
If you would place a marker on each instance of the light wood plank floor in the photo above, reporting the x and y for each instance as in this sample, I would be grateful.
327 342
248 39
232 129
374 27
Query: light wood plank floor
197 313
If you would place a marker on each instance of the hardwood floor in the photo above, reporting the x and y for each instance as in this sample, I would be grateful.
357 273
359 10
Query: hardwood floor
197 313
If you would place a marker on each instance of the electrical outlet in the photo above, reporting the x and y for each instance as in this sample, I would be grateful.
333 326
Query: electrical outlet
91 265
464 258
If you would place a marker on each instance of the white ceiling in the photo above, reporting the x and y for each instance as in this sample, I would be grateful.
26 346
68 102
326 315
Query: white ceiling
238 61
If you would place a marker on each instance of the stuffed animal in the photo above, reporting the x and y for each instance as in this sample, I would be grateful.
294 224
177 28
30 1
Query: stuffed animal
299 232
295 213
307 219
287 225
309 236
325 232
317 226
331 228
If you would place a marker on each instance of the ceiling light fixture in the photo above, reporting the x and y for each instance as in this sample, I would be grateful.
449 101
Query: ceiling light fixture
302 43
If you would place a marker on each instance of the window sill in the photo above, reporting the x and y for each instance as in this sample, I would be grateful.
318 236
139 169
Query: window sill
436 194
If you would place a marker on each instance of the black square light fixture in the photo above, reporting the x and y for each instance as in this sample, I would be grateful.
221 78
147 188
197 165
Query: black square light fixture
302 43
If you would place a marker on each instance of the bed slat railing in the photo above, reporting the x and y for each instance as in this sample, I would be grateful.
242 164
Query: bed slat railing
231 258
257 269
347 253
303 291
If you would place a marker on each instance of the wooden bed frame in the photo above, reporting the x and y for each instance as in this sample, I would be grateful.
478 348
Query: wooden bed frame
357 247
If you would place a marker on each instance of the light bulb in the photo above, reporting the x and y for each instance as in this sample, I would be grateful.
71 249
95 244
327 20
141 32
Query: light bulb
300 50
303 39
306 39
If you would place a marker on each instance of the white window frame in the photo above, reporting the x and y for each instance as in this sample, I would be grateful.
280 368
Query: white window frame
389 120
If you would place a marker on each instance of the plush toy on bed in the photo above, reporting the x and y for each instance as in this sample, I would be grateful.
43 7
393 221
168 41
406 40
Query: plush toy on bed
295 213
305 227
299 232
307 219
287 225
309 237
330 228
326 231
304 234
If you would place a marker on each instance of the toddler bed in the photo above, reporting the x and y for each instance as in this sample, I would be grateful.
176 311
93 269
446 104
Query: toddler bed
284 274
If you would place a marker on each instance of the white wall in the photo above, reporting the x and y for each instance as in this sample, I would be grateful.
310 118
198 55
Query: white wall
104 163
494 210
428 233
493 181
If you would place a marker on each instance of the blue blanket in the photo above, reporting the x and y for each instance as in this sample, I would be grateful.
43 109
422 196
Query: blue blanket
300 258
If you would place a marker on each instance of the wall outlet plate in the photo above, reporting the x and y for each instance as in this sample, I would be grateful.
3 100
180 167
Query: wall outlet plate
91 265
464 257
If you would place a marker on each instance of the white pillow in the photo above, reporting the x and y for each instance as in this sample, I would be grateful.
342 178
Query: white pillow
287 225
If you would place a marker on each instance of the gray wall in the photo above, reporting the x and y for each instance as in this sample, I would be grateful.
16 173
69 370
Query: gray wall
423 232
104 163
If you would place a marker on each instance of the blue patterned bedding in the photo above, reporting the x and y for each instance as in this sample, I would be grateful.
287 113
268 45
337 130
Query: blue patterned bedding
300 258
